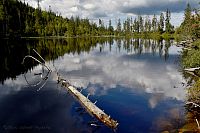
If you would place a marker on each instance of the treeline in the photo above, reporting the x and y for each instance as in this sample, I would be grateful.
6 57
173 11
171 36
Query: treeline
190 27
145 25
19 19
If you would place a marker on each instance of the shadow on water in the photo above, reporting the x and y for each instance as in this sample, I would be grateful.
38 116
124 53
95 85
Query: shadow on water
136 81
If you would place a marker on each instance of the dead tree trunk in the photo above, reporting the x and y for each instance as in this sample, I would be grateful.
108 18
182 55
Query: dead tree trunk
90 107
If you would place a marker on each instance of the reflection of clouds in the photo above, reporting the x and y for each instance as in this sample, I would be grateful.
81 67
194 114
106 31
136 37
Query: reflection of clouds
12 86
153 101
110 70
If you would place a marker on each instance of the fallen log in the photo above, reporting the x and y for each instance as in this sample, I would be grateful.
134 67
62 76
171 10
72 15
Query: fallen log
90 107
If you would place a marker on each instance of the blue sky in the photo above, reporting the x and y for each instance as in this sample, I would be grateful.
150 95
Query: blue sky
114 9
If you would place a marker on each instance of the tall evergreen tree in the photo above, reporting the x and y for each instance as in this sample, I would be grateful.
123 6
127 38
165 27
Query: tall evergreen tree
188 14
161 23
119 26
128 26
110 28
141 26
136 26
154 23
167 21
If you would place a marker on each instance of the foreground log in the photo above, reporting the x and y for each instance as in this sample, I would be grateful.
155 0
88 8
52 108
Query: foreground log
90 107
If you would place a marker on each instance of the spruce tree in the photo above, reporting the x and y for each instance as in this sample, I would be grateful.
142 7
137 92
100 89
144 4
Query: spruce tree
119 27
161 23
154 23
188 14
168 25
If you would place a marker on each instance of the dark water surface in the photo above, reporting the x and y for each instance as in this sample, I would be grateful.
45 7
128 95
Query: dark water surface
135 81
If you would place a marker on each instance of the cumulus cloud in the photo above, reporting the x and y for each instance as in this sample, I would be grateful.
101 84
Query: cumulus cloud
112 9
69 7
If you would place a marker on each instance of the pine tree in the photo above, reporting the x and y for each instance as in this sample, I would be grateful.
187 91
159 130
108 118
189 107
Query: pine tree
110 28
168 25
188 14
141 27
161 23
136 26
128 26
154 23
119 26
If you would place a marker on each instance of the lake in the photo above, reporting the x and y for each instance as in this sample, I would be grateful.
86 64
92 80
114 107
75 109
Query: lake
138 82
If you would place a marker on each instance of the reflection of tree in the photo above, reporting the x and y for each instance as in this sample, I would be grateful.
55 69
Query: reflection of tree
171 123
118 42
50 49
166 49
160 48
11 56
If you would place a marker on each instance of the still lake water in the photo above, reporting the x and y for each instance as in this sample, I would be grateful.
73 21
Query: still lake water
138 82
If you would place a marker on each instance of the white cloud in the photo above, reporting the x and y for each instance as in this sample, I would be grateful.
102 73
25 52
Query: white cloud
89 6
113 9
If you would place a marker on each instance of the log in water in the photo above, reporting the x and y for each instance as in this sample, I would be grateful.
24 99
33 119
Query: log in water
90 107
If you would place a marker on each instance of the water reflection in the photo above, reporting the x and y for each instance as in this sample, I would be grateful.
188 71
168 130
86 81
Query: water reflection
45 111
136 81
146 70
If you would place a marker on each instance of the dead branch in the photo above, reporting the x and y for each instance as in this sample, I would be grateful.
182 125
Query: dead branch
90 107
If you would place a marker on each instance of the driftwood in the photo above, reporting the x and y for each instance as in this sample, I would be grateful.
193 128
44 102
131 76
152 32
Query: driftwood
90 107
193 71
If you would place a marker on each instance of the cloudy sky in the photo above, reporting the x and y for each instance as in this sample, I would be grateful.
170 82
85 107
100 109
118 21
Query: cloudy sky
114 9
